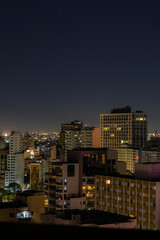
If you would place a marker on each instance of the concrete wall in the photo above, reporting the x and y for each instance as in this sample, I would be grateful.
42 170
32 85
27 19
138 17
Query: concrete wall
157 205
148 170
73 181
19 168
96 138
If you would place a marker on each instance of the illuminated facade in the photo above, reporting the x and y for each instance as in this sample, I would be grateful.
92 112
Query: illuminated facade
130 196
130 156
15 160
81 138
32 153
88 193
122 126
35 176
75 135
74 125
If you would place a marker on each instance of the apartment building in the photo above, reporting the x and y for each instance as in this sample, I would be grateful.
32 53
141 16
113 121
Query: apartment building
35 203
151 151
122 126
15 160
130 196
74 125
61 184
75 135
130 156
88 193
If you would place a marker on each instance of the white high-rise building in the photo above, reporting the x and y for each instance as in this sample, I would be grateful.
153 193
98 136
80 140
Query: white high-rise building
122 126
15 160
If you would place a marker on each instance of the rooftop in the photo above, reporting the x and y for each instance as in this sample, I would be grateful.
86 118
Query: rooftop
95 216
89 149
4 205
133 176
30 193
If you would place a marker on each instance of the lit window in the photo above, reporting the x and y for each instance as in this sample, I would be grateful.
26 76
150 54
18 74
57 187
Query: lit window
103 159
106 128
108 181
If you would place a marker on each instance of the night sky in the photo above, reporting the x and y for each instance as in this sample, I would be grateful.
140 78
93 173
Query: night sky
67 60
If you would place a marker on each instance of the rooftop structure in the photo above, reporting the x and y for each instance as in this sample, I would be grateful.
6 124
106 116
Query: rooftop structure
93 218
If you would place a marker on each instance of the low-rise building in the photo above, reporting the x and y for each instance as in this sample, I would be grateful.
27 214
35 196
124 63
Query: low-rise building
35 203
130 196
90 218
14 212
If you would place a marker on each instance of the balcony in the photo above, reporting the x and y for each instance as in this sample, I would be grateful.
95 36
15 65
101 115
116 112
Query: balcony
60 190
59 182
59 198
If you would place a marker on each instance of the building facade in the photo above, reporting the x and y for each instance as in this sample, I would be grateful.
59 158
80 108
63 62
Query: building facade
4 151
122 126
15 160
130 156
130 196
35 203
74 125
61 184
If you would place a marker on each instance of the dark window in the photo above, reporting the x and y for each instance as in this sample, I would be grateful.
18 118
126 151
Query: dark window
12 215
70 170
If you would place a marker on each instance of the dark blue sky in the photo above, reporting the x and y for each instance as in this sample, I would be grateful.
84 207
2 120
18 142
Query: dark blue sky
67 60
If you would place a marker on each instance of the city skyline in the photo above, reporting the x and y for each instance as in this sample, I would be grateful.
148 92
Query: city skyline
62 61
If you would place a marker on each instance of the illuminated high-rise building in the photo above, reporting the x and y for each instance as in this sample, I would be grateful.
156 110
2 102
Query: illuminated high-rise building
122 126
75 135
15 160
73 126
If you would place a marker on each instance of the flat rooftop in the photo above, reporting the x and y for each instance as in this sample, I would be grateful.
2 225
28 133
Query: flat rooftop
5 205
89 149
95 216
29 193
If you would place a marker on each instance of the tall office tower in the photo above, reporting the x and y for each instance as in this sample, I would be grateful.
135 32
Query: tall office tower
122 126
15 160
